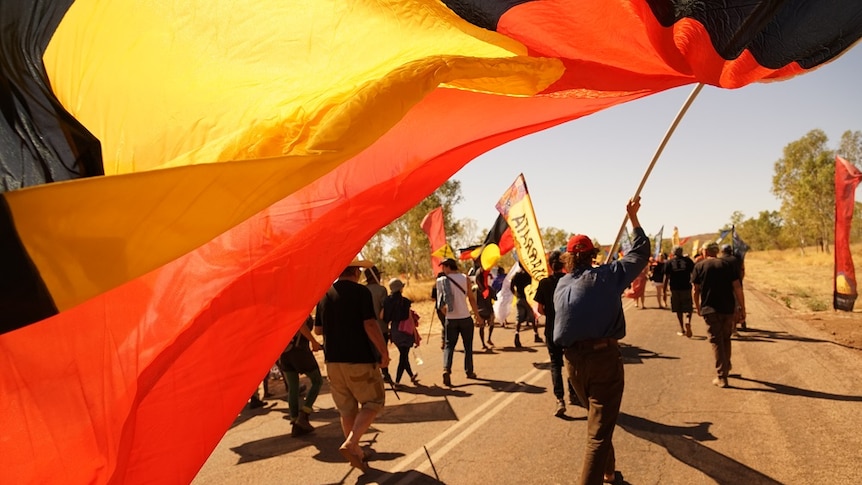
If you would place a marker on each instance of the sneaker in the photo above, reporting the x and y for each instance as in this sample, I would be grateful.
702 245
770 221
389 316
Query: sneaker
561 408
680 333
471 375
720 382
447 381
538 339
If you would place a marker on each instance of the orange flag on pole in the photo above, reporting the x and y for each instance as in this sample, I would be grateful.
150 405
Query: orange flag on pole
847 178
432 225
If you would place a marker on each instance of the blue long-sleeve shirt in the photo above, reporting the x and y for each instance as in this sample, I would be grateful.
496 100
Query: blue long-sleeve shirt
588 301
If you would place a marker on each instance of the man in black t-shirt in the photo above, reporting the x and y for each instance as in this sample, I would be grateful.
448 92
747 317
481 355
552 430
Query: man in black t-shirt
519 284
354 348
545 301
719 300
677 277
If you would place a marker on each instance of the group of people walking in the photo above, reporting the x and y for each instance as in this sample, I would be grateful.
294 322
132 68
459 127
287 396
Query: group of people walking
584 321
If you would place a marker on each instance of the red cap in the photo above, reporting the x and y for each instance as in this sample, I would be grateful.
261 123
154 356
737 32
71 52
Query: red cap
580 244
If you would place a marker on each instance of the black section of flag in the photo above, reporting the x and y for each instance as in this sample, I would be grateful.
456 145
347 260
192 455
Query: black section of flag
24 298
40 141
776 32
482 13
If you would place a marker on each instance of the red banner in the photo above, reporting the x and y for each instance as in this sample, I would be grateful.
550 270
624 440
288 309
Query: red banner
847 177
433 226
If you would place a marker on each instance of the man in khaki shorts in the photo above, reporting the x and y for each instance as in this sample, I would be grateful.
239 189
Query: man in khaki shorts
354 350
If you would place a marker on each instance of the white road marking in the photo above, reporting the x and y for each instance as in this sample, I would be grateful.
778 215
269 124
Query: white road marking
471 423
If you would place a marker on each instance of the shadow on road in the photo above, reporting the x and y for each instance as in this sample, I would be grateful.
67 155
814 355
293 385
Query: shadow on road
795 391
683 443
632 354
757 335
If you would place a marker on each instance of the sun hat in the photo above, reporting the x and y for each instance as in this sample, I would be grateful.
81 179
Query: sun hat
395 284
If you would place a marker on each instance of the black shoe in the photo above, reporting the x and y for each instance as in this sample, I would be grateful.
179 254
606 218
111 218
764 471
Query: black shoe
256 403
517 341
471 375
538 339
447 381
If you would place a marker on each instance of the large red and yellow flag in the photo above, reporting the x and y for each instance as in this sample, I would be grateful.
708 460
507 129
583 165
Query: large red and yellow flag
432 225
847 178
170 170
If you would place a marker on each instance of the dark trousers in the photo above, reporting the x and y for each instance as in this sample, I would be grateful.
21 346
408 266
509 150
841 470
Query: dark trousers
598 379
462 327
556 354
403 362
720 328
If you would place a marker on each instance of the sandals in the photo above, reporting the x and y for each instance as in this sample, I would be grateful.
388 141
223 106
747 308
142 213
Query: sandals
356 461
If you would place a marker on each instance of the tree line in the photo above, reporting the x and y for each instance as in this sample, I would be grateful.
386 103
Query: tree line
803 182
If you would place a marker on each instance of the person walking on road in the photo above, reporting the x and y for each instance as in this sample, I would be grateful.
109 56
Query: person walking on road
588 324
519 285
354 350
296 359
453 291
678 279
396 309
719 300
545 301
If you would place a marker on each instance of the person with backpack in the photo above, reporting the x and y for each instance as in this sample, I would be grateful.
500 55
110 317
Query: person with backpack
402 328
453 295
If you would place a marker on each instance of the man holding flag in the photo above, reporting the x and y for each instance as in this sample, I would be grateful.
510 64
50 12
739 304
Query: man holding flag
588 324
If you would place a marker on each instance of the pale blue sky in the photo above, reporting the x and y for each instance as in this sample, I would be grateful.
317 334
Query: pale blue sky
720 158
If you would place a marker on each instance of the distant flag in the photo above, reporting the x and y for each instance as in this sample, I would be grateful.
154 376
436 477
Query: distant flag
694 247
433 226
723 234
657 243
675 237
684 240
847 178
517 209
739 246
626 242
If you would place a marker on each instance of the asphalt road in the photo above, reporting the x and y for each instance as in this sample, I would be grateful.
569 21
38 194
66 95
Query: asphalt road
792 416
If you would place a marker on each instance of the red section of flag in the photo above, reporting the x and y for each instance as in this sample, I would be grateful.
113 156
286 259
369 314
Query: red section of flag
433 226
847 178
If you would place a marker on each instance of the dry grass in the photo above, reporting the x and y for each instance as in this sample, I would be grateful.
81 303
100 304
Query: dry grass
801 281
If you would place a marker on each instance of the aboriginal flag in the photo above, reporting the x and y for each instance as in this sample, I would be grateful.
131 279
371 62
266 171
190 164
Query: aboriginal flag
172 169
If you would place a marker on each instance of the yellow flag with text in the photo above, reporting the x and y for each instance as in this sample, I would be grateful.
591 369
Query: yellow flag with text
517 208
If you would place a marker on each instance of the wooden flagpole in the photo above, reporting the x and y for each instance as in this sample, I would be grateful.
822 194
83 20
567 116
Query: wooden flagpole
658 151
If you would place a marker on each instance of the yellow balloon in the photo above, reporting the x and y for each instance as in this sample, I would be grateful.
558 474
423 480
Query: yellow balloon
490 256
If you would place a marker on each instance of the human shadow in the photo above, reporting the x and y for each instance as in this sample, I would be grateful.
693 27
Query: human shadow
410 476
510 348
248 413
417 412
504 386
771 336
777 388
684 444
432 391
632 354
